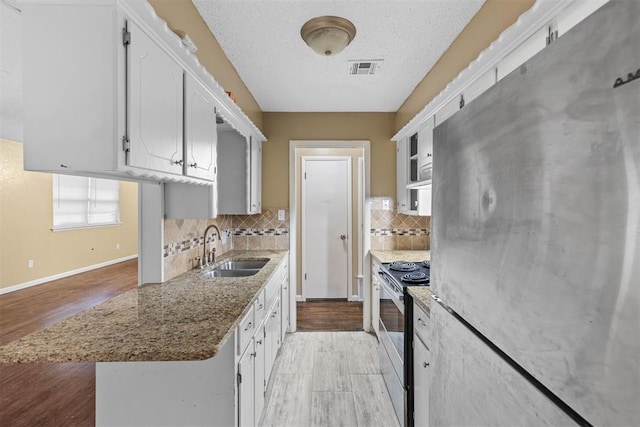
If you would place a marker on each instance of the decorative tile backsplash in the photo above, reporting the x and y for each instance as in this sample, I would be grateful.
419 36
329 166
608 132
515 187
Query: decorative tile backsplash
391 230
262 231
183 240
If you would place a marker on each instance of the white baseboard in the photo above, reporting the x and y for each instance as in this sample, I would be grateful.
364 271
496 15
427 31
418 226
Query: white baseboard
299 298
354 298
42 280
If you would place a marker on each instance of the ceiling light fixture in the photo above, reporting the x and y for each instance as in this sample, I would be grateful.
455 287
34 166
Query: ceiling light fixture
328 35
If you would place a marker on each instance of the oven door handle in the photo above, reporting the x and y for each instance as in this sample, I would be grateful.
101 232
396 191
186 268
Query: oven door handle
394 297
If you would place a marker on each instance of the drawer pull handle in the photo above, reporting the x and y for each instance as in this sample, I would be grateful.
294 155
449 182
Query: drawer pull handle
425 364
249 326
260 307
259 342
420 321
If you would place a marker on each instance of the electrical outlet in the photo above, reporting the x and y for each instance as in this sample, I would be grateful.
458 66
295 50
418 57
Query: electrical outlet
280 214
30 263
386 204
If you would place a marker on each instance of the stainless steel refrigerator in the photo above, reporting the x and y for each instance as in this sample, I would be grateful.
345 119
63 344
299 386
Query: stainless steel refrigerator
536 239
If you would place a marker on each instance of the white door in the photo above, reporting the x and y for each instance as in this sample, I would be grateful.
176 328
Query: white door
326 221
200 131
155 98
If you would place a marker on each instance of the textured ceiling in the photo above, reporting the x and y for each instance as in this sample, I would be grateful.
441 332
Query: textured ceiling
262 40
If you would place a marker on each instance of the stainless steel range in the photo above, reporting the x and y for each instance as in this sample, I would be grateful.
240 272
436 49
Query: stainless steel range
395 318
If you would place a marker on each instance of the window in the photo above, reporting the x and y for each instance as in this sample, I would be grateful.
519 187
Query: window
80 201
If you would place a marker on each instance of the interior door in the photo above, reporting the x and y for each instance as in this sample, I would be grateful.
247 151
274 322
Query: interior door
154 96
326 219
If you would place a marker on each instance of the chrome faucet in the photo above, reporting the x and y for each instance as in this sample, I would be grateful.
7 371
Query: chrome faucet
211 258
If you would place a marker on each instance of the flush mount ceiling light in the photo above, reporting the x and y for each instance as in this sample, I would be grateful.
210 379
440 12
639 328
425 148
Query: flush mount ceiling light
328 35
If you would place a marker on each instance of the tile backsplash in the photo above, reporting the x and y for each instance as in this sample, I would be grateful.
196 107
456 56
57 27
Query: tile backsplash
183 242
261 231
394 231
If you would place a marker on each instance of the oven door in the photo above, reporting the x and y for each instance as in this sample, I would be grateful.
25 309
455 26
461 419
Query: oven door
392 326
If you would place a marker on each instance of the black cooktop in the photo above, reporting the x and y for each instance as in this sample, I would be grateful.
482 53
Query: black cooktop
408 273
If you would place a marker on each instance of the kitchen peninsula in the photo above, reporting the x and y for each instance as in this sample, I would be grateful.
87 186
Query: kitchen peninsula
169 352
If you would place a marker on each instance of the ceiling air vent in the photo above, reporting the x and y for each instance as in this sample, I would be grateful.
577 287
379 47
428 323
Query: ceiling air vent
365 67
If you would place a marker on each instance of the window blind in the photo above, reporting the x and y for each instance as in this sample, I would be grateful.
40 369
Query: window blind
85 202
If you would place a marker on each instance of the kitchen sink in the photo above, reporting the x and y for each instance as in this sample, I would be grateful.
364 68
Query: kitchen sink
243 264
237 268
229 273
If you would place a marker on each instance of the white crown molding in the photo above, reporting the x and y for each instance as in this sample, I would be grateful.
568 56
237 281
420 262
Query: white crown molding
540 14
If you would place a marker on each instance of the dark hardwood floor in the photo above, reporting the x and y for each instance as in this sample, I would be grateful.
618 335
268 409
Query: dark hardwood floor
329 315
54 394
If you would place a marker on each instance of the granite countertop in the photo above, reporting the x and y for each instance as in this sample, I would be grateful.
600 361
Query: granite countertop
186 318
422 297
398 255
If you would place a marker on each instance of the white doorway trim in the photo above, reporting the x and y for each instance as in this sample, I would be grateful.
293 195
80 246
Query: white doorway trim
303 217
363 250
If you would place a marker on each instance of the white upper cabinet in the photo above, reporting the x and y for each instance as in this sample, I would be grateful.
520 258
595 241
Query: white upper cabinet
110 91
448 109
200 131
155 99
479 85
523 53
402 177
425 150
255 178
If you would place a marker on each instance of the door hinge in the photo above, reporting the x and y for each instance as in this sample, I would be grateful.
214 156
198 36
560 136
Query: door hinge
126 37
126 144
553 36
305 175
239 378
305 276
461 101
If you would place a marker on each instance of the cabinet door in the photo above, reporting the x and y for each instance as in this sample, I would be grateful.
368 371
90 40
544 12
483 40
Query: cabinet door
401 176
522 53
200 131
375 295
425 147
154 105
421 366
255 176
259 375
284 301
246 401
447 110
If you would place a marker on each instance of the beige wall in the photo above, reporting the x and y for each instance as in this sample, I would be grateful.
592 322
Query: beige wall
26 218
279 128
493 18
183 15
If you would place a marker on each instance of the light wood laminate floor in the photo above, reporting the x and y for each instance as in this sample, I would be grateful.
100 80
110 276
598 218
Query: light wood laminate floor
328 379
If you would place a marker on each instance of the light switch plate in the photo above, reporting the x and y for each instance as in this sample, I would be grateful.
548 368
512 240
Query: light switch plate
386 204
280 214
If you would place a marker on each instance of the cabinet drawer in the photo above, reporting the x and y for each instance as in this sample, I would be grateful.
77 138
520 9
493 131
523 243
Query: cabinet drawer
420 323
272 291
260 307
245 330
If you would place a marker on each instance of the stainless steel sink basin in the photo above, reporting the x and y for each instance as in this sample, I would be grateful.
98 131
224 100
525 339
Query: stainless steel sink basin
243 264
237 268
229 273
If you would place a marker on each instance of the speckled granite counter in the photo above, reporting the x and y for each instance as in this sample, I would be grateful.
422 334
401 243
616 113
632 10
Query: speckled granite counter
186 318
412 256
422 297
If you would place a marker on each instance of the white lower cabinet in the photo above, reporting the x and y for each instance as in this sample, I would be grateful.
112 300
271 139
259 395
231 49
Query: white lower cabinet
421 367
258 354
246 387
